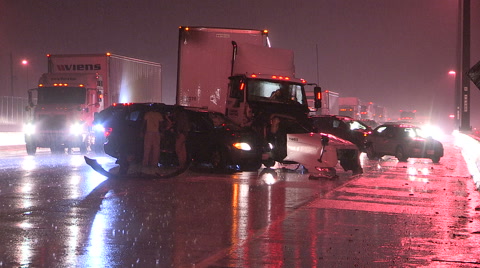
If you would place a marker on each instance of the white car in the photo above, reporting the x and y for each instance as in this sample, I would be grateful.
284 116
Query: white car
320 153
294 142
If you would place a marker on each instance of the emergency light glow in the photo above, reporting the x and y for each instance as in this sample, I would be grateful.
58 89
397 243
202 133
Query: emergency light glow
242 146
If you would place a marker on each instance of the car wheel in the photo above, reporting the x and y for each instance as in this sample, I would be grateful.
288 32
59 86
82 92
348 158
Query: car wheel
219 159
268 163
252 165
400 154
371 154
435 159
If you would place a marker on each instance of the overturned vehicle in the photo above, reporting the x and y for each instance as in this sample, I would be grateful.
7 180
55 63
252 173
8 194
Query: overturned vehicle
212 140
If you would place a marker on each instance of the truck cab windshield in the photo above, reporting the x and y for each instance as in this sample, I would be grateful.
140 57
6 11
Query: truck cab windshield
272 91
61 95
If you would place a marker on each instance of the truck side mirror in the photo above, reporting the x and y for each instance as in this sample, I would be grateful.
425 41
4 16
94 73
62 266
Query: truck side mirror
317 94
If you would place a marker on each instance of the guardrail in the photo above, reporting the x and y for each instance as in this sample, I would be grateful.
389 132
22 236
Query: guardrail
12 111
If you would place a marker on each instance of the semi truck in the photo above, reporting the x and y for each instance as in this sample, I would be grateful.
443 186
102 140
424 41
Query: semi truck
349 106
77 86
329 103
237 73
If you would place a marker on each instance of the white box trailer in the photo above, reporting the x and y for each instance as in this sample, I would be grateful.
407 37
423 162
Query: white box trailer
125 79
205 64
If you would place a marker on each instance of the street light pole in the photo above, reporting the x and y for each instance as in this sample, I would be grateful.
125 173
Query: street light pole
456 105
465 88
25 63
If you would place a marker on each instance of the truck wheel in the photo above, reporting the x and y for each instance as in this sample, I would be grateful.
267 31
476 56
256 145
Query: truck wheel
31 149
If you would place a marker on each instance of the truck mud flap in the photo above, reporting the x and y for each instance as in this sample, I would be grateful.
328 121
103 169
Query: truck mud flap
98 168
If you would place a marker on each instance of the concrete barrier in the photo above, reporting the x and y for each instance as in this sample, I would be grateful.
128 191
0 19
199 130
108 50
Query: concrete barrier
11 138
470 146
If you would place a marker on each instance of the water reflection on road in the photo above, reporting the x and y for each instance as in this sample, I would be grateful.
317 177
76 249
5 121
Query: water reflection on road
57 212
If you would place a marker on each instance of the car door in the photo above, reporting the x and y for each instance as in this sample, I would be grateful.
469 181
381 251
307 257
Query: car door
390 140
380 139
199 138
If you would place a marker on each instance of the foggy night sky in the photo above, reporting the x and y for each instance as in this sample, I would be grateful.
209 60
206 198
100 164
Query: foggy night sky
396 53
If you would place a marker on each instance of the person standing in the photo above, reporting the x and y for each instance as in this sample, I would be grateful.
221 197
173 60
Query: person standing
182 127
152 121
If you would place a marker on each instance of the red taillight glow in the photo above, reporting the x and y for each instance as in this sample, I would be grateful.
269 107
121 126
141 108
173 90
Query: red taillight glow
242 86
108 131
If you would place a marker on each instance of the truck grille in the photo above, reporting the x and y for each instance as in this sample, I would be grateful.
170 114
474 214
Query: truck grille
54 123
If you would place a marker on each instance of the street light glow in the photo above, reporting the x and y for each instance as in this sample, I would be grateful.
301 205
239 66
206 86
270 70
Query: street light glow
452 73
24 62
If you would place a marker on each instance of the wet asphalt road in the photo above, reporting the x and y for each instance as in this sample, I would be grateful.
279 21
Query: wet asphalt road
55 211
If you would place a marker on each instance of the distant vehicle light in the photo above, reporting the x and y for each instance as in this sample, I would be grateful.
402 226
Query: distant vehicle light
242 146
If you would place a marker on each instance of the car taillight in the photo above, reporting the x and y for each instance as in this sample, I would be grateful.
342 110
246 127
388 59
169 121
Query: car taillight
108 131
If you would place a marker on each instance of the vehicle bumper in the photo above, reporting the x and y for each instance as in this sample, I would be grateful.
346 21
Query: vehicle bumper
55 139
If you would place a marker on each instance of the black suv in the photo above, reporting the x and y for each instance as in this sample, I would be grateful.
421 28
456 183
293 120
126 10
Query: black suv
213 140
343 127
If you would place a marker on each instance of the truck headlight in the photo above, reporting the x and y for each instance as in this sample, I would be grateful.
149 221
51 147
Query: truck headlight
242 146
76 129
29 129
